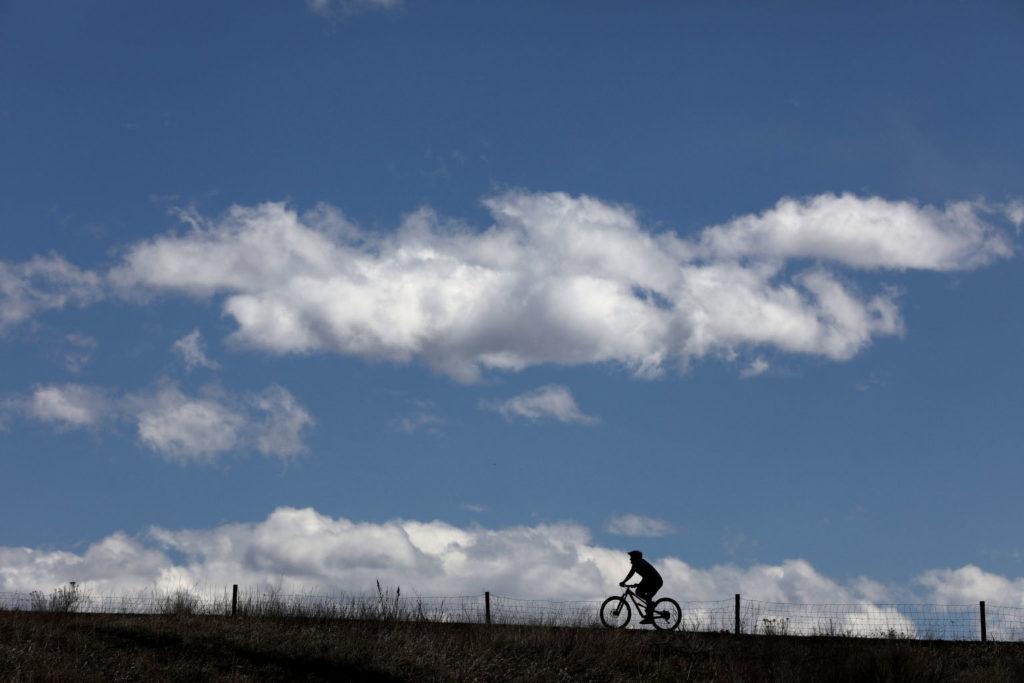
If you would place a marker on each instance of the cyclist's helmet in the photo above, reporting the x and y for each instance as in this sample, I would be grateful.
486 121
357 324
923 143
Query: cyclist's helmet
635 554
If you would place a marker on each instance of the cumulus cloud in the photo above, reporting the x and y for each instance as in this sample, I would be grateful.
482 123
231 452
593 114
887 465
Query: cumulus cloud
180 427
553 279
866 233
116 564
190 348
551 402
304 547
43 283
561 279
305 550
638 525
969 584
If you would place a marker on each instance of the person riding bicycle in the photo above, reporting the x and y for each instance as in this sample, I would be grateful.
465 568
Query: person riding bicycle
650 581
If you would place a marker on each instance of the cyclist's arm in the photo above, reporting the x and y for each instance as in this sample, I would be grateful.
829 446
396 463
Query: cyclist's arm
628 577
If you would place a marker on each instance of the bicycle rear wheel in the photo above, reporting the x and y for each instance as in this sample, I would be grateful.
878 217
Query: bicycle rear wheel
667 614
615 612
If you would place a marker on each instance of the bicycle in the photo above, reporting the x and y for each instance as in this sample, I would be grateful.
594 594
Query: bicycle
616 613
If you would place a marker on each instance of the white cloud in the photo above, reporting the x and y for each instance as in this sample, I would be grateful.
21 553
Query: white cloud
69 405
115 564
969 584
638 525
551 402
560 279
187 428
303 547
303 550
757 367
862 233
179 426
201 428
1015 212
554 279
43 283
190 348
279 432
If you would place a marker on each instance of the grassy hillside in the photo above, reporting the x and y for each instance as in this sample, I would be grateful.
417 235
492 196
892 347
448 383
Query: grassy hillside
135 647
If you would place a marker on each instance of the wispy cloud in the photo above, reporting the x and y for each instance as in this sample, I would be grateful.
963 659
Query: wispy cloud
283 422
1015 212
43 283
551 402
757 367
199 428
638 525
330 8
70 406
736 542
421 422
187 428
78 353
422 418
190 348
180 427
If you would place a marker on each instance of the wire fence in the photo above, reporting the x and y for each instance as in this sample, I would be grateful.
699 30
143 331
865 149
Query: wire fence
950 622
754 617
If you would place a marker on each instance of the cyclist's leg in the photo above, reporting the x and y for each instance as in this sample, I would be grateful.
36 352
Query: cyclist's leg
644 592
655 587
647 590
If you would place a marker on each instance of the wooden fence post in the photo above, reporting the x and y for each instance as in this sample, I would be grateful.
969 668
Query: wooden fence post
234 599
487 607
984 632
737 614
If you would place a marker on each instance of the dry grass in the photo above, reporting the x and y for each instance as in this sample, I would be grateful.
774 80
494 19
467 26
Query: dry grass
182 646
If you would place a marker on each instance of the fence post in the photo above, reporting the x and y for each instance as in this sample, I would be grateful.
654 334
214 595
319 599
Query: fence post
234 599
984 633
737 614
487 607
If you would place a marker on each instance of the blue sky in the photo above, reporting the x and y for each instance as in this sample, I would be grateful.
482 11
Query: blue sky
868 153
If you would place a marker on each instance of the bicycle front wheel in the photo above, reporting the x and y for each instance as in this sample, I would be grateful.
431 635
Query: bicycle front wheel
667 614
615 612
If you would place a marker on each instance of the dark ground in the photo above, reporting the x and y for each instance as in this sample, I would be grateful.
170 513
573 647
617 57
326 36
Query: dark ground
133 647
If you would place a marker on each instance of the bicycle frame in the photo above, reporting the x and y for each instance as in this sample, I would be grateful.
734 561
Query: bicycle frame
641 605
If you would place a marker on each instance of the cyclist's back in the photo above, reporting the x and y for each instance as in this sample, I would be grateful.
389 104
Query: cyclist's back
645 569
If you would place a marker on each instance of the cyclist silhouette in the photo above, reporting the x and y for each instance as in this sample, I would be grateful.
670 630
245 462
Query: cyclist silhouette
650 581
